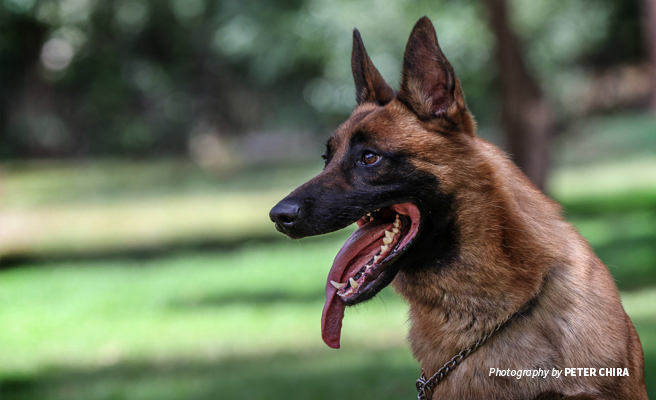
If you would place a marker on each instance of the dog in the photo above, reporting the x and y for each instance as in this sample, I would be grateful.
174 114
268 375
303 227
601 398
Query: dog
498 284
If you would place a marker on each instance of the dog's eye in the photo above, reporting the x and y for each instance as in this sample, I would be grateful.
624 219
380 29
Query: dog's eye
369 158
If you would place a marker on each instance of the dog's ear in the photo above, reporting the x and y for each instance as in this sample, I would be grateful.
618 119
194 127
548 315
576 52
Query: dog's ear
369 84
429 86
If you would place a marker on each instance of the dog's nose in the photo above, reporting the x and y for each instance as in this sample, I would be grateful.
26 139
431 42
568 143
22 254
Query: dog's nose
285 213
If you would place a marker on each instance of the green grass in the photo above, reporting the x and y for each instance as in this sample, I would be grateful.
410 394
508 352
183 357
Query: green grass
229 325
613 205
239 321
219 302
35 183
192 326
384 374
59 209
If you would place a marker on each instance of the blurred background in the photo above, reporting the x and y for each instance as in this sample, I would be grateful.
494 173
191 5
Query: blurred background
143 142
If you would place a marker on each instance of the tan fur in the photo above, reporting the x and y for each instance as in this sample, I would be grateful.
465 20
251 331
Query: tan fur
515 247
513 254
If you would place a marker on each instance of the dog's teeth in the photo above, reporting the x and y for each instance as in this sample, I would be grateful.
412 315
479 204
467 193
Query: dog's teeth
337 285
353 283
383 248
389 234
387 240
395 231
397 222
376 258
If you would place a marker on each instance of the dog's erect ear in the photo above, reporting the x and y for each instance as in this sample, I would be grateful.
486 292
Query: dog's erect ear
429 86
369 84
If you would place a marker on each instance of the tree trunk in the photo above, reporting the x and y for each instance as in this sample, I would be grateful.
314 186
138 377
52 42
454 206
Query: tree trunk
527 118
649 31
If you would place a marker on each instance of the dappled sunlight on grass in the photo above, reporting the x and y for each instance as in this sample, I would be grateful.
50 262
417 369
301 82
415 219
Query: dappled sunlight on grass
626 242
238 321
37 183
257 299
640 304
55 209
590 181
614 207
189 326
142 223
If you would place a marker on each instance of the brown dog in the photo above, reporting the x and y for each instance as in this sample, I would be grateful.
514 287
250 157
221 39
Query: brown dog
497 282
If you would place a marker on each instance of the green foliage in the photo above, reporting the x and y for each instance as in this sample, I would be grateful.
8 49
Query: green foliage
144 77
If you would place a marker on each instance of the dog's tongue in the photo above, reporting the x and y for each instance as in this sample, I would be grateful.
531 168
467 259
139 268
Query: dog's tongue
355 252
331 318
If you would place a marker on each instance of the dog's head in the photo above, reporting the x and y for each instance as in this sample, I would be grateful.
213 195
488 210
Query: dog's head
391 168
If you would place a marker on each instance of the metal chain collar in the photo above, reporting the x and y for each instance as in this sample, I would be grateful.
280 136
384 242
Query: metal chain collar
425 386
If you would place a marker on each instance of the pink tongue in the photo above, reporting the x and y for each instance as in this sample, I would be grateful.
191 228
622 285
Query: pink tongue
350 254
331 318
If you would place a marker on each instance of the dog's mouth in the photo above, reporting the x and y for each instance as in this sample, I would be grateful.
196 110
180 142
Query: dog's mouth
363 266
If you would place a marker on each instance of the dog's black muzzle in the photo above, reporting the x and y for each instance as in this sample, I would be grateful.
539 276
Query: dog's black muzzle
298 216
285 215
317 207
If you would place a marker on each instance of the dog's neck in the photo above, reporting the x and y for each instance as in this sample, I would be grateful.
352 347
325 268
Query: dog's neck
496 271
